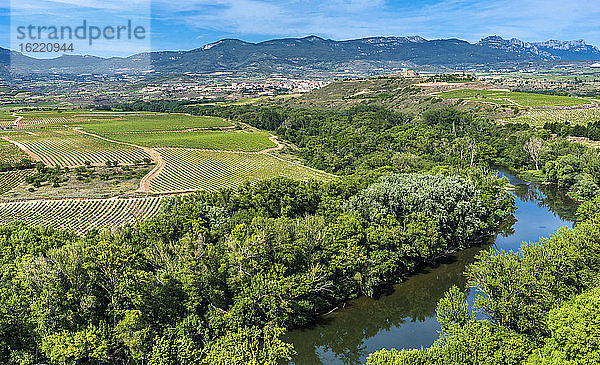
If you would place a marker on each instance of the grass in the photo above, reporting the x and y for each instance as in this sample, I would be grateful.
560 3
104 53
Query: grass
65 147
187 170
234 141
540 117
97 183
153 122
523 99
80 215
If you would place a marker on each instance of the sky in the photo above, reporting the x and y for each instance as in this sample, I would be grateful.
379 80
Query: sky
188 24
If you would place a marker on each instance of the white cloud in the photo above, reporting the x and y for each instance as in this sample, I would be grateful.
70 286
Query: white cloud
342 19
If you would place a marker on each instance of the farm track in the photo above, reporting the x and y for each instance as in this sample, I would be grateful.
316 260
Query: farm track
17 120
156 158
64 211
29 153
267 150
145 183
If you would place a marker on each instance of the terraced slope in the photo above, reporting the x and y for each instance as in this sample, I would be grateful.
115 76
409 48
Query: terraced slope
80 215
188 170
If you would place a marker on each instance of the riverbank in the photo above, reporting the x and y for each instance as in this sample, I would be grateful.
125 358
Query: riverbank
405 317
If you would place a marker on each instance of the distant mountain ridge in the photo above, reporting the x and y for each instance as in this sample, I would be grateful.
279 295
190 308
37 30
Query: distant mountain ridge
576 50
315 55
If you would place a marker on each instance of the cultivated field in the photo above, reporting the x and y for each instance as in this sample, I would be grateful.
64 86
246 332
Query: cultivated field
4 116
66 147
522 99
33 123
575 116
493 101
39 114
9 153
233 141
11 179
148 122
80 215
187 170
190 153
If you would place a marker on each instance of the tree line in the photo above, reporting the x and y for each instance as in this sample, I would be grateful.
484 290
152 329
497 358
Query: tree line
591 130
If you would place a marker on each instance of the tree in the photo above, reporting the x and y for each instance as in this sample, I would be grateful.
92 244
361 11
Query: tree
574 328
251 346
534 148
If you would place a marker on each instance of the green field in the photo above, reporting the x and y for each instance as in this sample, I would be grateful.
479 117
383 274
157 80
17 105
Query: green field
153 122
541 117
51 114
6 116
65 147
188 170
522 99
9 153
234 141
493 101
103 122
80 216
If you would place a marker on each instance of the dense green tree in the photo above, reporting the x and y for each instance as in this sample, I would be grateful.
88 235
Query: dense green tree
574 328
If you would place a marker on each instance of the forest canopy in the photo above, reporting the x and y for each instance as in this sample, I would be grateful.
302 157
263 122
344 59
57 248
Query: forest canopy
219 272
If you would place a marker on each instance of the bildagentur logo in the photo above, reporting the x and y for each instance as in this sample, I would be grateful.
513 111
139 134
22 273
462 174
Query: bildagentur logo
95 30
86 31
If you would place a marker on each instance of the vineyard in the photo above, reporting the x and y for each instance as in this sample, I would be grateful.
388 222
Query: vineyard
9 153
187 170
6 116
65 147
11 179
233 141
541 117
150 122
6 120
522 99
30 122
81 216
49 114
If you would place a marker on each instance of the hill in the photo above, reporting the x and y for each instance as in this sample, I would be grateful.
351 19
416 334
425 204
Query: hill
316 56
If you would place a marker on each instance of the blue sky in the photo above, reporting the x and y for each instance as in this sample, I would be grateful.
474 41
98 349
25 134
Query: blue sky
187 24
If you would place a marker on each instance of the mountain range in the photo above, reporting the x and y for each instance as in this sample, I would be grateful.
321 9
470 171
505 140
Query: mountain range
550 50
313 54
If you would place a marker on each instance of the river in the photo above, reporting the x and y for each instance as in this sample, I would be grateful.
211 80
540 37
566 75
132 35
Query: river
405 317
